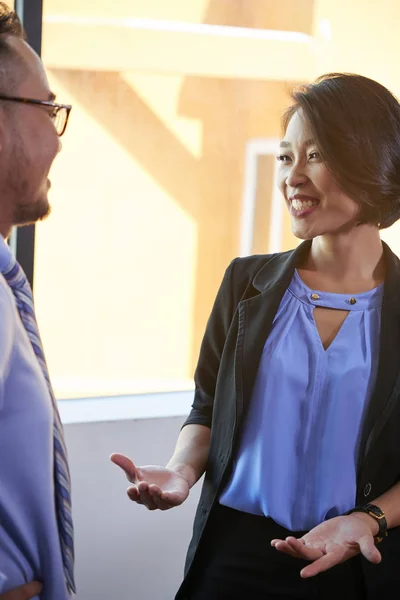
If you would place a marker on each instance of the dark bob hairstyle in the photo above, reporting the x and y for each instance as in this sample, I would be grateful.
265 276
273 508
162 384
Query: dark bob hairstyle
356 125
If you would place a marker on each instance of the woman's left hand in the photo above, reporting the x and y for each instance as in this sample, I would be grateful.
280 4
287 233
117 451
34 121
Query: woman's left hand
332 542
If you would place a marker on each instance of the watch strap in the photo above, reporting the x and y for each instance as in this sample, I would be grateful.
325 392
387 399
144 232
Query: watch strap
376 513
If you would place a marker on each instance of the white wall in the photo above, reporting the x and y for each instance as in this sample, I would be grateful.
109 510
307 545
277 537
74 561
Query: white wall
124 551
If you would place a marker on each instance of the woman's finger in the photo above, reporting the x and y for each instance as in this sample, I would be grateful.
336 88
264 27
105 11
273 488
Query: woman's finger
155 492
144 495
369 550
125 463
161 504
284 547
141 495
324 563
304 551
133 493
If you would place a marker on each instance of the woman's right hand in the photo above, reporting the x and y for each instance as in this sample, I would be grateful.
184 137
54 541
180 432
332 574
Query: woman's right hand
24 592
154 486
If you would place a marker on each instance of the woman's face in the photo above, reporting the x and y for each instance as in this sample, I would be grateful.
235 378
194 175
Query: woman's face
316 204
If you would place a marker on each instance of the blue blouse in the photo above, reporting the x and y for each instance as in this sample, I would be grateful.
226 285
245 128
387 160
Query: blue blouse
297 455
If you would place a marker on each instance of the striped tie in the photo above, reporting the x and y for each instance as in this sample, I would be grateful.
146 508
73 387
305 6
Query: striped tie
19 285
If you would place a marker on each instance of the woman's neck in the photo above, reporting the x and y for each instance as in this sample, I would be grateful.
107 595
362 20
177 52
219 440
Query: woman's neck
352 259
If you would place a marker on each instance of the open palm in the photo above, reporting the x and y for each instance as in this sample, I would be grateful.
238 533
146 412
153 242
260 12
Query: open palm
332 542
153 486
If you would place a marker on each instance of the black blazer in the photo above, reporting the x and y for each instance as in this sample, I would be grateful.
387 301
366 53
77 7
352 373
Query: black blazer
238 327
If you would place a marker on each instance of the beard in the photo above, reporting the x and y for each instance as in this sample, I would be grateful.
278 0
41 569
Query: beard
28 214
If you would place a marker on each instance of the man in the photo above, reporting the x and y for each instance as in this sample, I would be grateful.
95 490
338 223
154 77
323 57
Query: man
36 543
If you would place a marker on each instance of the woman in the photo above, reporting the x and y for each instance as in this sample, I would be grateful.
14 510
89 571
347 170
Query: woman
296 415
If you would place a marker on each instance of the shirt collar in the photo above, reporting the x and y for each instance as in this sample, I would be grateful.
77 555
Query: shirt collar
5 254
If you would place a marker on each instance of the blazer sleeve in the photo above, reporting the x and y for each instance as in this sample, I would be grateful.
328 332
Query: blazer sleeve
212 346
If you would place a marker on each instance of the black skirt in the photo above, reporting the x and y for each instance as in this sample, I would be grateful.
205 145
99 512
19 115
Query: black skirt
236 560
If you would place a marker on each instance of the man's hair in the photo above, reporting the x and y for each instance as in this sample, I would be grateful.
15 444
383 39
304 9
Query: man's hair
11 65
355 122
10 22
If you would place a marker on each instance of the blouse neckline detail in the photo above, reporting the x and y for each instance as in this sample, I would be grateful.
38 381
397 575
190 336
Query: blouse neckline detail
364 301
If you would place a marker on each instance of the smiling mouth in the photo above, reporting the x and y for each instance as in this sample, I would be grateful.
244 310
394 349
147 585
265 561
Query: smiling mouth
304 203
302 206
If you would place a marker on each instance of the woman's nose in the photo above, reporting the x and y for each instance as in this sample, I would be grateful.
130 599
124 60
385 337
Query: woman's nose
296 176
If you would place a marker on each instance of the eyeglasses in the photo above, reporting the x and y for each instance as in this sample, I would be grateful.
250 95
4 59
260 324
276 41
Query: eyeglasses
59 113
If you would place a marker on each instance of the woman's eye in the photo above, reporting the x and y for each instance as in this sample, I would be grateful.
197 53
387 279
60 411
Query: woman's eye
283 158
314 155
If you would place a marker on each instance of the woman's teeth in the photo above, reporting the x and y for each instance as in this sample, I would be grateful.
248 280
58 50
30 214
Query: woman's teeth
303 204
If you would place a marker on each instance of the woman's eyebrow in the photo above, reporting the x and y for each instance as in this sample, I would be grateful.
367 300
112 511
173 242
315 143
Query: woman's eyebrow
285 144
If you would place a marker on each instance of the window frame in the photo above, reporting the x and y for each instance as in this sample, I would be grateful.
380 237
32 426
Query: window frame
22 239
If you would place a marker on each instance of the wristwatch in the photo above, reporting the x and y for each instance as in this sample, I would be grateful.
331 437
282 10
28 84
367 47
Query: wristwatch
376 513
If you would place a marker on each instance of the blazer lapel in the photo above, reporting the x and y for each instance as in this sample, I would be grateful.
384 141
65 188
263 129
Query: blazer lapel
382 401
257 313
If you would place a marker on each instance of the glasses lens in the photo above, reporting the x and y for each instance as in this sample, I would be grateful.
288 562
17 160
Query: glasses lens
60 120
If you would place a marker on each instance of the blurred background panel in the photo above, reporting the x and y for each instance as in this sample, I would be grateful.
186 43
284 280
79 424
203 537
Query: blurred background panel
168 166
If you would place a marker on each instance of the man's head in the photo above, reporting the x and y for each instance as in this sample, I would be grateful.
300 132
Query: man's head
28 138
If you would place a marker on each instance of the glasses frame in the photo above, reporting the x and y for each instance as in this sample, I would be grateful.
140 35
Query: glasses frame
47 103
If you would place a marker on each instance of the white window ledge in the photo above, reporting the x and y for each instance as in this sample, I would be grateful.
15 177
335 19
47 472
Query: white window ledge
118 408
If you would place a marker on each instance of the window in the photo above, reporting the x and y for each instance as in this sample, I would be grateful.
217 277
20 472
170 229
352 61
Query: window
171 100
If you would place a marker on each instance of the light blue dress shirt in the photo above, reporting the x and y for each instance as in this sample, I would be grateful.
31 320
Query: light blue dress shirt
29 540
297 455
